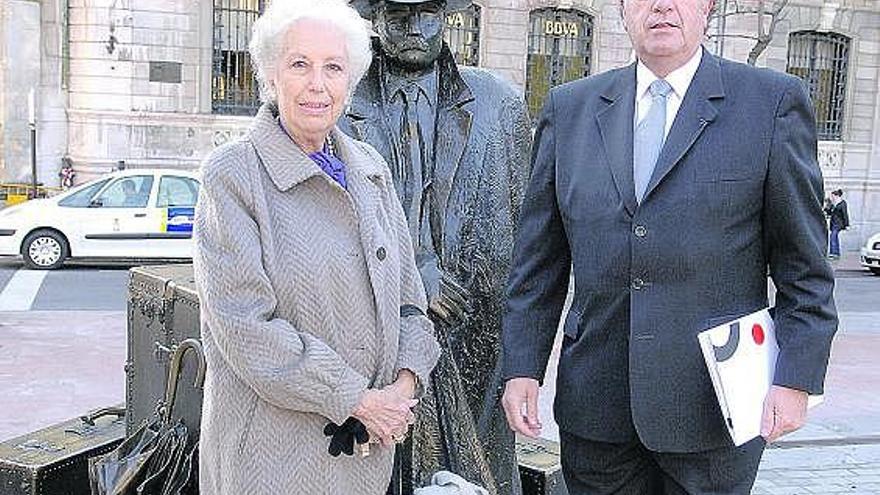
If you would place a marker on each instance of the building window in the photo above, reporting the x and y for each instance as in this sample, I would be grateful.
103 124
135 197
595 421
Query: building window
820 59
560 44
463 35
233 86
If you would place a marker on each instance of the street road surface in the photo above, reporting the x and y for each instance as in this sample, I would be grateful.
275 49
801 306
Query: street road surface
74 288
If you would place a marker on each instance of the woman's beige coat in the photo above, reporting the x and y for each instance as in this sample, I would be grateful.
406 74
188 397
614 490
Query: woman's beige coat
302 285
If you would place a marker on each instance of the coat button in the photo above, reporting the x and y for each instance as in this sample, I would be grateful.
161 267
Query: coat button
640 231
638 284
380 253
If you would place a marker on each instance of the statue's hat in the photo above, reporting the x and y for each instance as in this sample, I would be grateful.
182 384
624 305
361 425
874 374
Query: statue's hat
366 7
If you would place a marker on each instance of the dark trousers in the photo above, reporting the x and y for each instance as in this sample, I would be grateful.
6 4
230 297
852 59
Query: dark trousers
834 242
599 468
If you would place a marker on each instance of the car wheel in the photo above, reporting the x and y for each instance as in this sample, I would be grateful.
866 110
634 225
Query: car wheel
875 271
44 250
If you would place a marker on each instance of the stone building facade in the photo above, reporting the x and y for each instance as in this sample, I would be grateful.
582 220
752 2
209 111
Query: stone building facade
159 83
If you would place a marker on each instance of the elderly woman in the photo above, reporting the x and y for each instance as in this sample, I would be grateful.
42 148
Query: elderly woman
313 313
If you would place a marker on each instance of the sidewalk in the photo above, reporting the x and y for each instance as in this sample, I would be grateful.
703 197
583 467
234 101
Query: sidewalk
848 262
827 470
56 365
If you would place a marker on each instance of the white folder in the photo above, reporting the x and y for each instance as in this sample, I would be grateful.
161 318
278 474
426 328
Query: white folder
741 358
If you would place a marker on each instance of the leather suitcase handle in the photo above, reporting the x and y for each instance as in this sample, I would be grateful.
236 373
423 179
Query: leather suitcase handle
89 419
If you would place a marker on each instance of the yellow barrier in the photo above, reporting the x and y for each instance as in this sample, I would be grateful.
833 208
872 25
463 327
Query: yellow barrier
19 193
14 199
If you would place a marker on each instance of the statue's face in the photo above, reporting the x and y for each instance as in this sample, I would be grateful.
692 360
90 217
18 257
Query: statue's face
411 35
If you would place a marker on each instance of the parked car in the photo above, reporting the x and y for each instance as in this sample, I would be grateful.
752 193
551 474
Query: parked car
870 257
128 214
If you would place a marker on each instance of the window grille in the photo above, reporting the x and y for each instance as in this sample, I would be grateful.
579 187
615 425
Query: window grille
234 88
821 60
463 35
560 44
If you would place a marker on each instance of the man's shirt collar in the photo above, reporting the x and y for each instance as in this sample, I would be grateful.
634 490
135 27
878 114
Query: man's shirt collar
680 79
427 85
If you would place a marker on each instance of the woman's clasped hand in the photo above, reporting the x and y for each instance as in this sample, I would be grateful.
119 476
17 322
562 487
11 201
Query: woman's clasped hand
388 412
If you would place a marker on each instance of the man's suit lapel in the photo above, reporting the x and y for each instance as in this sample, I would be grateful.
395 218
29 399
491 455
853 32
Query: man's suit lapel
616 128
696 113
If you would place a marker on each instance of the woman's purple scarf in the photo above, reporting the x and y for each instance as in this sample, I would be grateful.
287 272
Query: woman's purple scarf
331 165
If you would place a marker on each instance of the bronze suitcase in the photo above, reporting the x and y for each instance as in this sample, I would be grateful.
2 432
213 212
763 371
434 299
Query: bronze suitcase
539 467
163 310
54 460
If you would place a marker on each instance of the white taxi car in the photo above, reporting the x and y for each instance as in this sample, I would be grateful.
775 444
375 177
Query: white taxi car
870 255
129 214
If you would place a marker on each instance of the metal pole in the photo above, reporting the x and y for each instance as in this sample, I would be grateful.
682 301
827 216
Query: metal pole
34 159
32 124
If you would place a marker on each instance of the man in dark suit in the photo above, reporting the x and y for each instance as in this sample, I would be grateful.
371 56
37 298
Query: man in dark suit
456 140
669 187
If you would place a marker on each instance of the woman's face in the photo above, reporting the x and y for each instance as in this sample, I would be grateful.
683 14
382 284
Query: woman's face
311 80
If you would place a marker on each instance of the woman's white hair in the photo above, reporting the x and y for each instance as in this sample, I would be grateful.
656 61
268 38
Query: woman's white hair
268 34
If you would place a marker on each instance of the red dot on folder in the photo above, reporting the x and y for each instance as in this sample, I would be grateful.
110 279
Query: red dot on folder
758 334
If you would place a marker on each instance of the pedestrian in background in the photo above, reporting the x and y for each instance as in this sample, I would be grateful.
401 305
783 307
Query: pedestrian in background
313 311
67 173
838 219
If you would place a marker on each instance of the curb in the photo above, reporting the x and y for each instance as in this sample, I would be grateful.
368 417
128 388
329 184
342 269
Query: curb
826 442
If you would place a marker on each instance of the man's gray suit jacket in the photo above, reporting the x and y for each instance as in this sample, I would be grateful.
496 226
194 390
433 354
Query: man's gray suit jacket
736 193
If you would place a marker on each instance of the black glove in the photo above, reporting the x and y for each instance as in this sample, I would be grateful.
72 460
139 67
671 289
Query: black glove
343 438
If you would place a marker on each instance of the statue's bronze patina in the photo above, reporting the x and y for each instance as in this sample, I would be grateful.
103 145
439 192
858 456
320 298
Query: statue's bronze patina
457 142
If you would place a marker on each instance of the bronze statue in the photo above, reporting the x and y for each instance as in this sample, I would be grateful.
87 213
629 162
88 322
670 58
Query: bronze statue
457 141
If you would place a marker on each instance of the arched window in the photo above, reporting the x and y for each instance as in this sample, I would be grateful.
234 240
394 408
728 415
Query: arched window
463 35
560 43
233 86
821 59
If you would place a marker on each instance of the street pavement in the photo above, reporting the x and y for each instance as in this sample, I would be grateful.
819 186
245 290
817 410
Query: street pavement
55 365
63 354
75 288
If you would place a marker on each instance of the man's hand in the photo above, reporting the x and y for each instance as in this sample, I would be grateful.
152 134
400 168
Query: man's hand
785 410
520 403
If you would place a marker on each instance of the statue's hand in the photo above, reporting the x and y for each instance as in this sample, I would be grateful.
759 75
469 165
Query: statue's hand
453 303
447 299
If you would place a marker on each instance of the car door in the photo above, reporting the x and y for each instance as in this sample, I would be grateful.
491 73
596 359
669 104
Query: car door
119 219
175 204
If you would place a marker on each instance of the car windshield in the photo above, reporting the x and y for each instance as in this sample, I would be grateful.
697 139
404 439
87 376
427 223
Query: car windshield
83 196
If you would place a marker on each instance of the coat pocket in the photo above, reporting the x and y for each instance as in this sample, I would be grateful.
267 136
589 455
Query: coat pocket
729 317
